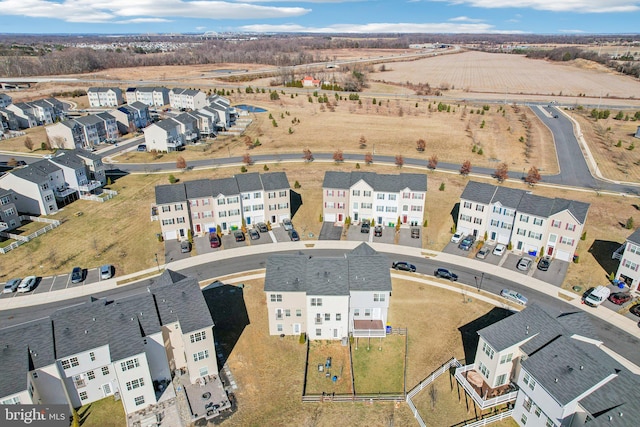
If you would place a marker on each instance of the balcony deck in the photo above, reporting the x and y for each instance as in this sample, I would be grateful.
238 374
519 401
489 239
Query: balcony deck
484 395
368 328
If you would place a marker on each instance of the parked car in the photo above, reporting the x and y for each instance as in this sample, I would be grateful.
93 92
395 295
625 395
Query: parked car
106 272
365 227
499 249
415 233
239 235
76 275
620 298
635 310
11 286
262 227
253 234
483 252
513 296
287 224
544 263
456 237
214 240
466 243
377 231
597 296
405 266
185 246
524 264
27 284
142 147
445 274
294 236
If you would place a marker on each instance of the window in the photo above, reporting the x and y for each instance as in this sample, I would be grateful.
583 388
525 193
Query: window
556 223
233 199
549 422
417 196
166 209
524 218
276 297
501 380
234 212
221 202
521 232
200 355
495 223
416 208
327 317
630 265
379 208
83 395
484 370
68 363
283 193
271 195
92 356
380 196
537 221
91 375
180 220
105 370
527 404
10 212
537 236
135 384
198 336
529 381
366 205
467 205
139 400
178 207
12 401
330 205
633 249
506 358
523 419
355 192
222 214
367 312
283 205
330 193
279 327
168 221
258 207
391 209
246 209
318 332
477 220
367 193
480 208
356 312
505 226
488 350
538 411
379 297
570 227
465 218
338 316
287 313
566 241
316 302
406 195
129 364
298 313
392 197
257 195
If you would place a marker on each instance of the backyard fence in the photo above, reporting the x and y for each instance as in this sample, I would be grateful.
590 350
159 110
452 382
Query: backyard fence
102 197
332 397
19 240
489 420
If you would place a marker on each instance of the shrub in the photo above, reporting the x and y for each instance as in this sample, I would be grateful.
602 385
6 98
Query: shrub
297 184
357 165
441 186
629 224
265 168
243 169
172 179
584 236
303 338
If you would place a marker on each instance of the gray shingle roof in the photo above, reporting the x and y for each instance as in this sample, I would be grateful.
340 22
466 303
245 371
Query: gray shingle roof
139 105
535 205
248 182
89 120
275 181
37 171
23 348
478 192
635 237
68 159
84 154
617 399
578 209
378 182
508 197
198 189
363 269
170 193
166 124
333 179
225 186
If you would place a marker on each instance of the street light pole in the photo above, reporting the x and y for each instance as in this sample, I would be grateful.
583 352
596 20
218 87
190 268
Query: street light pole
157 263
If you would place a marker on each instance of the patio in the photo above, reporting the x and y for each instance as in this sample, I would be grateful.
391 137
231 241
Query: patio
207 398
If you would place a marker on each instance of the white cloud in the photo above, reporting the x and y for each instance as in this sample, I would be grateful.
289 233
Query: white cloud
575 6
464 19
113 11
445 27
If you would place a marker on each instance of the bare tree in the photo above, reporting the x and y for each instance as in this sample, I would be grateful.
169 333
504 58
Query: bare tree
337 156
248 142
433 162
421 145
247 160
465 169
12 162
502 172
28 143
181 163
368 158
307 155
363 142
399 160
533 177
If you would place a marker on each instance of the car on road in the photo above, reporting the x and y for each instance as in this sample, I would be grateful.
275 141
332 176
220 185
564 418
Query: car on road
239 236
524 264
499 249
377 232
620 298
262 227
365 227
253 234
456 237
287 224
466 243
11 286
214 240
483 252
106 271
635 310
403 265
443 273
544 263
76 275
294 236
513 296
185 247
27 284
415 233
141 147
597 296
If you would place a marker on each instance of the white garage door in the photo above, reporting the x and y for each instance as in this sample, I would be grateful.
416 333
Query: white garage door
330 217
563 255
171 235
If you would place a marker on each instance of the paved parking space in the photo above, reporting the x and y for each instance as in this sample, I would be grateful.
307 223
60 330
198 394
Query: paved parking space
512 261
330 231
405 239
452 248
280 234
229 241
354 234
264 239
388 236
555 274
172 251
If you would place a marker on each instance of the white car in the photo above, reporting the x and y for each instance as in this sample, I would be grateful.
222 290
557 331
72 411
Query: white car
499 250
513 296
456 237
27 284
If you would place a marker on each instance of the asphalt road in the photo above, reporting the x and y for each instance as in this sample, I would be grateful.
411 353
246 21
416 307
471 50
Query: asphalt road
621 342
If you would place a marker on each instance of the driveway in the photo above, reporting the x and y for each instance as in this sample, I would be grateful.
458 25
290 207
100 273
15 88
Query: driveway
354 234
388 236
229 241
172 251
330 231
264 239
280 234
556 273
405 239
202 245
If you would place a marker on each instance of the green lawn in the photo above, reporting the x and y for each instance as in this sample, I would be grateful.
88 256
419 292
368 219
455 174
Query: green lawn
102 413
379 368
318 382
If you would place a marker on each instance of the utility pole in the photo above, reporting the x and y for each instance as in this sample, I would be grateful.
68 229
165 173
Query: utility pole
157 263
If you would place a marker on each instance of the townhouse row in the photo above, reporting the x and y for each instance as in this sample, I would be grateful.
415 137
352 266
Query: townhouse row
130 347
43 187
385 199
554 369
178 98
25 115
539 226
628 270
328 298
206 205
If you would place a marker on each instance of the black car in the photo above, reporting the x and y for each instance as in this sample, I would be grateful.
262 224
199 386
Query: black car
253 234
544 264
466 243
365 227
239 235
76 275
294 236
377 231
445 274
185 246
635 310
262 227
415 233
405 266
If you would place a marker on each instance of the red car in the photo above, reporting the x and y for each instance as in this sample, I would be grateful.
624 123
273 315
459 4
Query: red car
214 240
619 298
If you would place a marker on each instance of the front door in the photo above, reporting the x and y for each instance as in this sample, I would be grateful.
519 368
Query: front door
404 219
339 217
198 228
550 251
355 216
248 220
106 389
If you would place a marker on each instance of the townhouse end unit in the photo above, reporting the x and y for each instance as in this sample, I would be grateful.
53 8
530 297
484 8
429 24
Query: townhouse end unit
36 113
150 96
328 298
629 256
84 132
383 198
104 97
225 204
539 226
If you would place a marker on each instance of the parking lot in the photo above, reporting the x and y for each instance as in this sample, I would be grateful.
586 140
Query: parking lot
56 283
330 231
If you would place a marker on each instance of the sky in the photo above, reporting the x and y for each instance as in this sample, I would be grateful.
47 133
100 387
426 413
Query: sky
320 16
